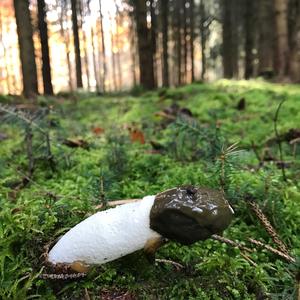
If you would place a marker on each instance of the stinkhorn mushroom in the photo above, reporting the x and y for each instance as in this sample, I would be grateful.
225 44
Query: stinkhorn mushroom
185 214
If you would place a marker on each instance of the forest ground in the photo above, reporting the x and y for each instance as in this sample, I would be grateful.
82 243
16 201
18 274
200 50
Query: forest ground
62 157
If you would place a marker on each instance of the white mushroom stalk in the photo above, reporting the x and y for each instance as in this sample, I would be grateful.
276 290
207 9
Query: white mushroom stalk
106 235
184 214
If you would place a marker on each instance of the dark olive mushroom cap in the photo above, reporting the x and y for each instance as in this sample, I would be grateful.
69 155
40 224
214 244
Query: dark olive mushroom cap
187 214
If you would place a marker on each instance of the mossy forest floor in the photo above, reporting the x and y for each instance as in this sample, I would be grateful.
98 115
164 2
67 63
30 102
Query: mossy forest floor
116 147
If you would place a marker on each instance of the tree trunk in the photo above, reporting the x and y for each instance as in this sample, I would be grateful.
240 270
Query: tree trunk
230 43
85 46
294 63
113 58
103 48
144 45
43 29
65 35
153 39
27 56
203 39
282 43
76 44
133 51
5 58
94 60
184 41
192 38
177 38
249 39
165 28
118 58
266 38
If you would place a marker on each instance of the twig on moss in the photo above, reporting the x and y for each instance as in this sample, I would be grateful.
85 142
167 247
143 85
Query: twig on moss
230 242
249 260
278 140
166 261
267 225
62 276
286 256
236 245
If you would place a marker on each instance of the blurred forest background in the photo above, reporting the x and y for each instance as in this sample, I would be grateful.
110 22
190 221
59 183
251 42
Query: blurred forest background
63 45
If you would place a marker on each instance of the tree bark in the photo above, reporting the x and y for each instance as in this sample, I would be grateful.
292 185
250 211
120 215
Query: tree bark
153 39
27 56
230 43
104 74
249 39
282 42
294 63
184 41
144 45
113 58
43 29
5 58
165 29
85 47
266 38
133 51
202 39
66 37
192 38
177 39
76 44
118 46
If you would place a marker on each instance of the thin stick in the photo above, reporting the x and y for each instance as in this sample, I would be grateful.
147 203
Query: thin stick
62 276
278 137
273 250
166 261
267 225
251 262
230 243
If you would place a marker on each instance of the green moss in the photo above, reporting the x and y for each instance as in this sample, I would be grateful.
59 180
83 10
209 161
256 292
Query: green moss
56 199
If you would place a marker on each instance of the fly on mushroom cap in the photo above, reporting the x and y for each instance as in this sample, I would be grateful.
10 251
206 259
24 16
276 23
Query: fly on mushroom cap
188 214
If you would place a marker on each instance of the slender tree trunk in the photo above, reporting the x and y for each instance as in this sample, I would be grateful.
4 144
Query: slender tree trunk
203 39
76 44
227 40
5 59
249 39
192 38
113 58
43 29
230 39
133 51
85 46
65 35
153 39
104 74
184 41
282 42
118 46
177 25
294 64
165 29
86 60
27 56
94 60
144 45
266 38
